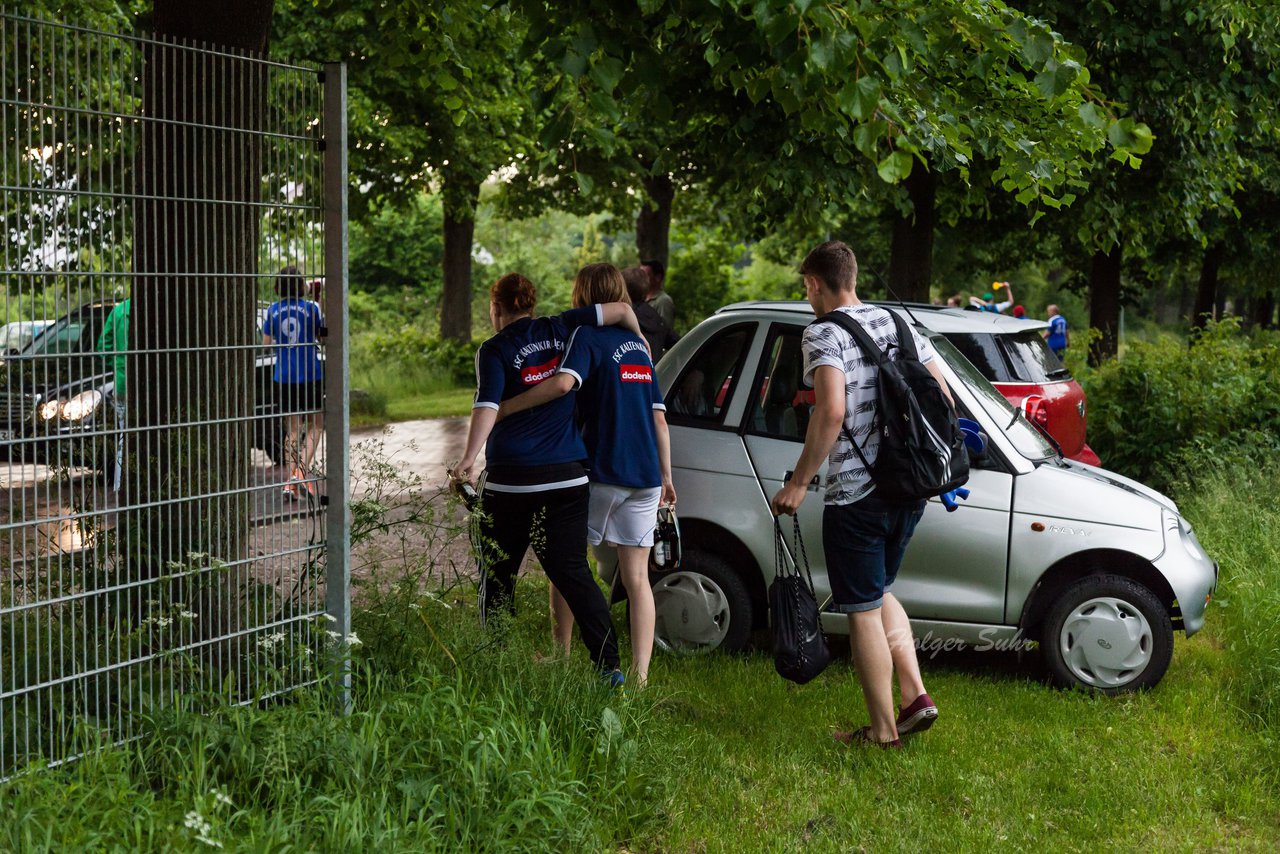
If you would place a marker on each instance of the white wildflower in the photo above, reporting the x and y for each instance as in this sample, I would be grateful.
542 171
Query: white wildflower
271 641
353 641
334 636
330 618
221 797
188 615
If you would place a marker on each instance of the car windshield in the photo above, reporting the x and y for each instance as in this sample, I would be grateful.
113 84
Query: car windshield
1026 439
1021 357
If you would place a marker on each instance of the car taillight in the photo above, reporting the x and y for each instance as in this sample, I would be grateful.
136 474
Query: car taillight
1041 415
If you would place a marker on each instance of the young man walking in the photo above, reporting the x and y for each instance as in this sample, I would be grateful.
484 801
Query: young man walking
864 536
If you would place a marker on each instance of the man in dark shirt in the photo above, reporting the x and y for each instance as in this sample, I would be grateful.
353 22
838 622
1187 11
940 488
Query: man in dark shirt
655 330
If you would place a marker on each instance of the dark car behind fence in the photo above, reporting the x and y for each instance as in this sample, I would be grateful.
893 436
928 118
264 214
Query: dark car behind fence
152 190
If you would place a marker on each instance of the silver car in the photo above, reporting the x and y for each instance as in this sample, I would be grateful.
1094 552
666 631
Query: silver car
1096 568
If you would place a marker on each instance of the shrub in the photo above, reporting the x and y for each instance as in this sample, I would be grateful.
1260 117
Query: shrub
1167 411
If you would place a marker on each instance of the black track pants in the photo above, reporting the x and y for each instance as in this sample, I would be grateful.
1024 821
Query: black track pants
555 523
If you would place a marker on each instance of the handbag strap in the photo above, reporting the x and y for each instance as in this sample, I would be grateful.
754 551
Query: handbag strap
801 555
804 556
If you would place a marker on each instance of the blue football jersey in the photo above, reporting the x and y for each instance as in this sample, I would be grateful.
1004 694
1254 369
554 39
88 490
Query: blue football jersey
618 393
515 360
294 327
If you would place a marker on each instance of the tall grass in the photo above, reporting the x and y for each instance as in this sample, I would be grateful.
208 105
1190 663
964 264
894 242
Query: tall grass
1238 521
487 755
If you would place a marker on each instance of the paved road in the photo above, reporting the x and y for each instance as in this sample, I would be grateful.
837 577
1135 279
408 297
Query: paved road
46 511
424 447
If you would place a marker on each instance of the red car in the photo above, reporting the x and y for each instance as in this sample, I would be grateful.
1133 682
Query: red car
1011 353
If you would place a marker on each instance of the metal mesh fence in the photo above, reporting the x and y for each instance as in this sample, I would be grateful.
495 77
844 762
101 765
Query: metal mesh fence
173 407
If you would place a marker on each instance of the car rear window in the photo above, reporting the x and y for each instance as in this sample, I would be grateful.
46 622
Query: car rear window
1020 357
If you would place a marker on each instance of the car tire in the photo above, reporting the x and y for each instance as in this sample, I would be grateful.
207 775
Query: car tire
1109 634
703 606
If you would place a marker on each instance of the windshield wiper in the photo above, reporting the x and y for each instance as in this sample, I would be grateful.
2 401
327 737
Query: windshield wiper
1018 413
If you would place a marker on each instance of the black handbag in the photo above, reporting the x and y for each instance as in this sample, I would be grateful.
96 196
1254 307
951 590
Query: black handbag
799 650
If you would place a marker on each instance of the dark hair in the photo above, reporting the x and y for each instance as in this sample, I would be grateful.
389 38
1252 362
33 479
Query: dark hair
656 267
638 284
514 294
834 264
598 283
289 283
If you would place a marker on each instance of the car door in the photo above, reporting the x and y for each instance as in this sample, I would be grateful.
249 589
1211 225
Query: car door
955 568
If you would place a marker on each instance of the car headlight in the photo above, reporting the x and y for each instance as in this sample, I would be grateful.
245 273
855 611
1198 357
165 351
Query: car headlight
49 409
81 406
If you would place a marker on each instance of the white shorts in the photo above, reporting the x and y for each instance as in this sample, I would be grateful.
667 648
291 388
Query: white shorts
622 515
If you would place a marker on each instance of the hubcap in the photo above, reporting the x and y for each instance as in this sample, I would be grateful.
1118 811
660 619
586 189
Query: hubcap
692 613
1106 642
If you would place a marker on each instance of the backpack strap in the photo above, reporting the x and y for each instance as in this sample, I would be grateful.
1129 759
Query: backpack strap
868 346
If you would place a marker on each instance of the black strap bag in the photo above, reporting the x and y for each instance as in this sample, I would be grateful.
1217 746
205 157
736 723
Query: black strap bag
799 650
922 451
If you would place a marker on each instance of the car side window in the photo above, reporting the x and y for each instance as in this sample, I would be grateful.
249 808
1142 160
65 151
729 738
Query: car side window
781 407
706 384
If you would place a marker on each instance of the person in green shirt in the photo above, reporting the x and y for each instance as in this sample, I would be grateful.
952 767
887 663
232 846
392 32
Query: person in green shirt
115 341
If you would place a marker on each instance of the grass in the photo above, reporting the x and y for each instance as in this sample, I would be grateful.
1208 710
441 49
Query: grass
392 391
460 742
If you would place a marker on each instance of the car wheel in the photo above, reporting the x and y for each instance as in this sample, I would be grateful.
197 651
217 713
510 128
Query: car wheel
1109 634
702 607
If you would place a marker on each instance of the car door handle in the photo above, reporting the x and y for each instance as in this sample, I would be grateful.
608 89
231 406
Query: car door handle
813 484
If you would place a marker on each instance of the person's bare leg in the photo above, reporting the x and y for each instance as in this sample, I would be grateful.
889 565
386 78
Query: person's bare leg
315 424
902 647
633 565
871 657
561 621
293 443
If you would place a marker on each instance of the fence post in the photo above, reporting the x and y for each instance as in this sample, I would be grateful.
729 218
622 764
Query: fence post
336 373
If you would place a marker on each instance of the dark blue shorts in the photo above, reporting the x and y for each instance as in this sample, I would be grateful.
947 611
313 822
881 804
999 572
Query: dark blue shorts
864 543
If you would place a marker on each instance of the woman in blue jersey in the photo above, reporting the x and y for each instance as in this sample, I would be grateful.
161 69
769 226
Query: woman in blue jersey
293 324
628 446
534 466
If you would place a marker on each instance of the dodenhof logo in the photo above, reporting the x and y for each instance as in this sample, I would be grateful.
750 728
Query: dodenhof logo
636 373
535 374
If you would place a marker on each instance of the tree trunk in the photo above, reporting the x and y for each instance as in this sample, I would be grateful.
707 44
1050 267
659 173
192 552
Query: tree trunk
653 223
1207 292
192 324
911 255
1264 310
460 198
1104 304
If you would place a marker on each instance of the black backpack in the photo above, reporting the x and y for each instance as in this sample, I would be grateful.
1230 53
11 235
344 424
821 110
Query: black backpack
922 452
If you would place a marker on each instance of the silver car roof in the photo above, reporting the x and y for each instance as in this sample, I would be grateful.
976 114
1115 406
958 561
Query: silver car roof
931 317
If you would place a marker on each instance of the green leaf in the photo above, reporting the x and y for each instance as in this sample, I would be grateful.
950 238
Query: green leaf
1056 78
867 92
607 72
649 7
585 186
1090 116
895 167
821 53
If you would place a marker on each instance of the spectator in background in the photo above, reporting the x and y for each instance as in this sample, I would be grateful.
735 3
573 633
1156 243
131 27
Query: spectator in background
115 340
1019 312
988 301
954 301
1056 337
659 298
293 325
656 331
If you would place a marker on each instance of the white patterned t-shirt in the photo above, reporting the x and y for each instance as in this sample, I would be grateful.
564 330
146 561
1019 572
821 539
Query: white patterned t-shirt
828 344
